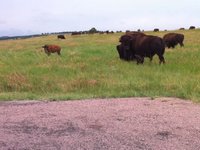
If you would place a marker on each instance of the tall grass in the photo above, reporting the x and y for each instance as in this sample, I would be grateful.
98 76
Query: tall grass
89 67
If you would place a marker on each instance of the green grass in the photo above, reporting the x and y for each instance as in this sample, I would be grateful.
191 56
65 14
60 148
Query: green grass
89 67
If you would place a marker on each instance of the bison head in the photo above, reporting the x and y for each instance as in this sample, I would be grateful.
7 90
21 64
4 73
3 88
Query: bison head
45 46
125 41
120 51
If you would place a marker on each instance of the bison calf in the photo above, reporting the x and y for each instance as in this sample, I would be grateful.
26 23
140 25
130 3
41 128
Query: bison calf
51 49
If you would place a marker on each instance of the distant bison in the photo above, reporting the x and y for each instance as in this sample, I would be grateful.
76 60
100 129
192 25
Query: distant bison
182 29
138 46
51 49
61 37
156 30
192 27
172 39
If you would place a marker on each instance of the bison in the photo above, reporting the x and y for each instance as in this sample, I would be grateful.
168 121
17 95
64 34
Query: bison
192 27
182 29
141 45
156 30
148 46
123 49
61 37
172 39
52 49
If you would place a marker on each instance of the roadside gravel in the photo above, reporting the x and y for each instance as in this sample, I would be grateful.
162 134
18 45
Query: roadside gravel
100 124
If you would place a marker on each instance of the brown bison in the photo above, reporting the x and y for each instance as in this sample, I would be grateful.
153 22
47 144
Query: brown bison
192 27
141 45
172 39
182 29
148 46
156 30
51 49
123 49
61 37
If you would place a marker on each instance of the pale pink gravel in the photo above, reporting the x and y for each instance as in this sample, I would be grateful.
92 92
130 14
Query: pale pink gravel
100 124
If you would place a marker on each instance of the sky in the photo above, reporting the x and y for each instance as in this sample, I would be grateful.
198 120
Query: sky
24 17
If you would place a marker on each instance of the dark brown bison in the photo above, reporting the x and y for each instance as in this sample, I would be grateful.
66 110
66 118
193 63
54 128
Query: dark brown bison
61 37
156 30
182 29
141 45
148 46
192 27
52 49
123 49
172 39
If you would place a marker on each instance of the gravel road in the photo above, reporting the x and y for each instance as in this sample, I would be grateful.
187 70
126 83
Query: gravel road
100 124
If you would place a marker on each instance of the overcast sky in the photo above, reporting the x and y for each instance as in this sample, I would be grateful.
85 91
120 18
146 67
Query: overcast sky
19 17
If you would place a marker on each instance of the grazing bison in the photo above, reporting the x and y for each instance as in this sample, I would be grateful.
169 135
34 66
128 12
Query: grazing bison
61 37
148 46
182 29
172 39
138 46
192 27
51 49
156 30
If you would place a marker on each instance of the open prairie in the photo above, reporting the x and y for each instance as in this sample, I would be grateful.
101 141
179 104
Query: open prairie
89 67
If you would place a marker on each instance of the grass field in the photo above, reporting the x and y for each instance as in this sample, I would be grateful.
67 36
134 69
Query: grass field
89 67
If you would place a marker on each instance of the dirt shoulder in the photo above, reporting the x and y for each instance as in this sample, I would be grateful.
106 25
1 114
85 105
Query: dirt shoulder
125 123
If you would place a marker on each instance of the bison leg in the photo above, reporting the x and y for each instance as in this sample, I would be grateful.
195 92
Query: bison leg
181 44
58 52
47 52
151 58
139 59
162 60
142 61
